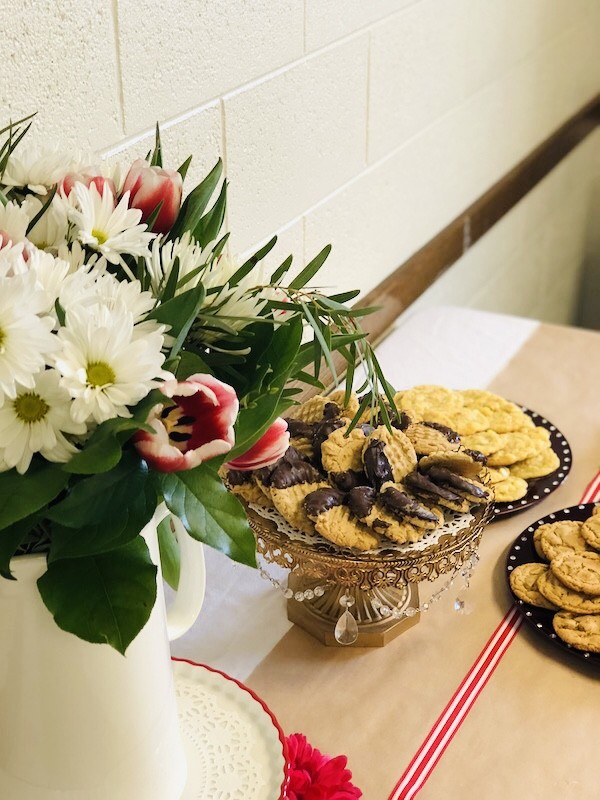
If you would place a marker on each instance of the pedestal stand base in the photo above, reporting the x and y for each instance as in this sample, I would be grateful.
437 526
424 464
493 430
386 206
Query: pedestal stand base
318 616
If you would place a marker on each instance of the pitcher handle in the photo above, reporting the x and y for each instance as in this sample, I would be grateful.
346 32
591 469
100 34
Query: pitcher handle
187 602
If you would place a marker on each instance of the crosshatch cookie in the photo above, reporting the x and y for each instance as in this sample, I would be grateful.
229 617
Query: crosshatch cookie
342 451
338 525
524 583
431 403
388 456
312 410
407 508
362 502
579 630
348 410
510 489
467 488
289 503
590 530
426 490
537 466
565 598
579 571
243 484
430 437
461 462
557 538
518 446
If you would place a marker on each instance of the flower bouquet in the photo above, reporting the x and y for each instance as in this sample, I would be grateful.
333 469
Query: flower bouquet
136 358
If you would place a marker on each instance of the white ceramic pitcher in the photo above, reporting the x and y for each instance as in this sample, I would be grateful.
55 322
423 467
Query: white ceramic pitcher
79 721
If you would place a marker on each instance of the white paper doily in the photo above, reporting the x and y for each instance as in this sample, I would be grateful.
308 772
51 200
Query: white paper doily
454 523
232 743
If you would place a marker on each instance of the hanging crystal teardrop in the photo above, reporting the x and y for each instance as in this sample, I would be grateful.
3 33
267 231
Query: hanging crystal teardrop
346 629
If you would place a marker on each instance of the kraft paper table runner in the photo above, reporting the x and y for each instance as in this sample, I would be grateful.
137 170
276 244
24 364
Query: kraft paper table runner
376 706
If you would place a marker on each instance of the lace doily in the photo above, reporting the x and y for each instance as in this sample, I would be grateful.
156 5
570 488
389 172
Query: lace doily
454 523
233 747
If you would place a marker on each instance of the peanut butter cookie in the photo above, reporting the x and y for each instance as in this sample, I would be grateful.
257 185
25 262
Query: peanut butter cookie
557 538
578 571
510 489
430 437
524 583
342 451
537 466
565 598
388 456
590 530
579 630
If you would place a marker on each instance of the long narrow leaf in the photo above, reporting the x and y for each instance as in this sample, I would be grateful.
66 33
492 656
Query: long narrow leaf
311 269
281 270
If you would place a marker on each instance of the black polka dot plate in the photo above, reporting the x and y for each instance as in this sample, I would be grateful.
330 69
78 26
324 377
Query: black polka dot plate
523 552
539 488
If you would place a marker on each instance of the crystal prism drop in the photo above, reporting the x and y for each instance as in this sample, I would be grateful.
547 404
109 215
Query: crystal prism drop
346 629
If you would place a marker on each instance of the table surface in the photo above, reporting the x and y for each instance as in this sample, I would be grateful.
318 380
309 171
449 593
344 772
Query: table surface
530 732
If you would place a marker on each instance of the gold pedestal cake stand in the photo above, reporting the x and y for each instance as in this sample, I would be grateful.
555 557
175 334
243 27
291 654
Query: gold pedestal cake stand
364 599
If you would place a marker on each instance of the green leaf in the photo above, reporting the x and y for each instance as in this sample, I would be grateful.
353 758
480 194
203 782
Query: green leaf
10 539
249 265
103 512
154 215
182 170
311 269
104 448
207 228
169 291
209 512
189 364
180 314
170 560
23 495
282 269
156 159
105 598
196 202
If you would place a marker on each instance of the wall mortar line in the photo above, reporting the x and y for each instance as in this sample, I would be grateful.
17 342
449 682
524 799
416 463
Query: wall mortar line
117 35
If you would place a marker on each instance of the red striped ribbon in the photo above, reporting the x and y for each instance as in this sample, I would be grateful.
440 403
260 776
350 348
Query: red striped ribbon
441 734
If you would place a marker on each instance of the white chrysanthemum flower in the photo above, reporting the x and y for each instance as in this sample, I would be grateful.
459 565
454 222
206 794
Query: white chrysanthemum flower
3 465
159 263
26 340
35 421
91 287
50 272
12 260
13 224
104 366
236 306
77 257
39 168
51 230
111 231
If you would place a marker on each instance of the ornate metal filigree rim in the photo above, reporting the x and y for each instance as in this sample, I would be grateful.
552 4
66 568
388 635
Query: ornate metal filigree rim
368 570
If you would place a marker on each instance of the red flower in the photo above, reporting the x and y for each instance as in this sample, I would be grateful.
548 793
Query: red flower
66 185
314 776
197 426
267 450
149 186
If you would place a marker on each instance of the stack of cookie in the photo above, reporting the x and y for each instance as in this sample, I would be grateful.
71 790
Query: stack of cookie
360 487
567 580
517 450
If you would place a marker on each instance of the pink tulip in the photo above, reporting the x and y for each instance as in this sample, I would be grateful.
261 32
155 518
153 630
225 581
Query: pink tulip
148 186
267 450
196 427
99 181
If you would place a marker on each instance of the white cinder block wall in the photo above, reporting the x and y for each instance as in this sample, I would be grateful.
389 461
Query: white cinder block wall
366 123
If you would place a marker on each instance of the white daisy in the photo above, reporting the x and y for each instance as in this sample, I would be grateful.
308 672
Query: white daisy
35 421
13 224
104 366
110 231
162 258
93 287
39 168
12 260
26 341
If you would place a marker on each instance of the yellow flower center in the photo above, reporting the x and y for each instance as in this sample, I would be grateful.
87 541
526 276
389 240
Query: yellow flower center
100 236
99 373
2 340
30 407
